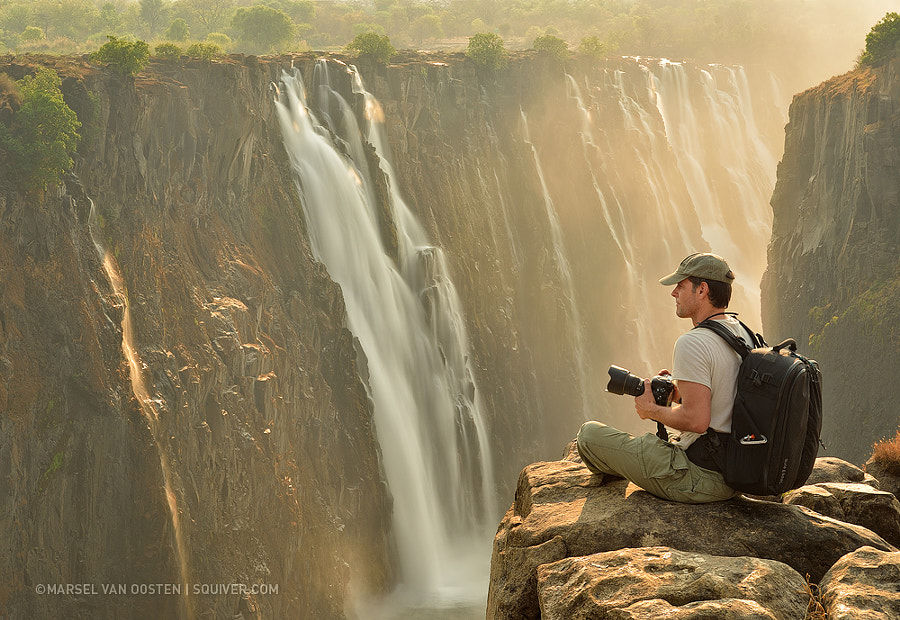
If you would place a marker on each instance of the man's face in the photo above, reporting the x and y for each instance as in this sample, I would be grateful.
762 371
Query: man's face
687 299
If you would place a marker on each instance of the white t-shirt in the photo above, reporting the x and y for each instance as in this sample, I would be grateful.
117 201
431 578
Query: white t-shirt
703 356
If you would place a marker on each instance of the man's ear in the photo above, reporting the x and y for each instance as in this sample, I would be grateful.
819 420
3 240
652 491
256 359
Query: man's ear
703 289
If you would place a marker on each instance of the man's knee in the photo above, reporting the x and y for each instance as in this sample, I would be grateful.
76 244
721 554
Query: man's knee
590 432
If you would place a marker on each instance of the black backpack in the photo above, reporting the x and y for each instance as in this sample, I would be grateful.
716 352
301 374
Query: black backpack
777 416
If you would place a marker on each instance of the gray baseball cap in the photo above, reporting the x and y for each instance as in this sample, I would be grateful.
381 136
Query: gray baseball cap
701 265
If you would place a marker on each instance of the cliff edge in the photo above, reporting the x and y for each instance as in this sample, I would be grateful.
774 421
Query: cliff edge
832 280
579 545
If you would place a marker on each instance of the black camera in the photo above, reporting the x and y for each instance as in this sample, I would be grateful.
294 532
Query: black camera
623 382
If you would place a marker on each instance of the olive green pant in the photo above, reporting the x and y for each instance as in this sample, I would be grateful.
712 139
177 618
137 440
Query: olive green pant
649 462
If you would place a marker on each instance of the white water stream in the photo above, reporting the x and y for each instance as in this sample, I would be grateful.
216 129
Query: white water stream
408 320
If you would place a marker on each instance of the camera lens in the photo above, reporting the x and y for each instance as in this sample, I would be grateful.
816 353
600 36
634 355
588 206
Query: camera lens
623 382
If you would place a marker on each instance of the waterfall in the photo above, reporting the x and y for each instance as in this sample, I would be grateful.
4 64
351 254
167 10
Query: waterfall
561 261
407 317
728 169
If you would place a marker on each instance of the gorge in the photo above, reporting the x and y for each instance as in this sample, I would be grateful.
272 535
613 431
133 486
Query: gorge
338 417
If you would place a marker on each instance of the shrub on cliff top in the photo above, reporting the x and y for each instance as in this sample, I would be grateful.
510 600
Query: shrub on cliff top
204 51
887 454
41 134
169 51
552 46
882 40
592 47
487 50
373 45
123 57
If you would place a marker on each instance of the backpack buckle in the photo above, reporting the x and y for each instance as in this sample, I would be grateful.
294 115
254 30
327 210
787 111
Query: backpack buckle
753 440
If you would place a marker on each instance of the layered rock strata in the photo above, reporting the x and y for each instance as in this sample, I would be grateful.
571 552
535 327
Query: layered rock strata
832 279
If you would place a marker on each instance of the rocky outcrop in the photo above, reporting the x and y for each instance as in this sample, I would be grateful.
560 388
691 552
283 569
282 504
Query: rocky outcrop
562 511
863 584
654 582
832 279
861 504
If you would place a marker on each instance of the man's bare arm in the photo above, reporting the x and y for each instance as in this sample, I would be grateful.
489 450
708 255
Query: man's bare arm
692 414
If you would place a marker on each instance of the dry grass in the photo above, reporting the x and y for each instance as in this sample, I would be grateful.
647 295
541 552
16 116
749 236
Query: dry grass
887 454
814 610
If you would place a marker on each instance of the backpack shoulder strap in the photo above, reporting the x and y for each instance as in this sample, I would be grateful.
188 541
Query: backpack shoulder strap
740 347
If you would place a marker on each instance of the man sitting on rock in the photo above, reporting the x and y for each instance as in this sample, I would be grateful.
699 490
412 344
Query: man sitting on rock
705 370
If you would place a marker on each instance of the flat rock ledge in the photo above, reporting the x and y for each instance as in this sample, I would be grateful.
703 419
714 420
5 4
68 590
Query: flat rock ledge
578 545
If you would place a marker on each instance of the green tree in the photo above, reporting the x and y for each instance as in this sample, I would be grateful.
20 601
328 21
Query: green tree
169 51
153 15
263 28
32 33
373 45
219 38
123 57
204 51
592 47
211 15
42 133
552 46
178 31
882 40
487 50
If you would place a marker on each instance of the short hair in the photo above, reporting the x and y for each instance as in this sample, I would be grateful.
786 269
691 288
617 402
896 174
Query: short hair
719 292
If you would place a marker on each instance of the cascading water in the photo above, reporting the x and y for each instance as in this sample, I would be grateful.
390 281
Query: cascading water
728 169
672 161
561 260
408 321
139 388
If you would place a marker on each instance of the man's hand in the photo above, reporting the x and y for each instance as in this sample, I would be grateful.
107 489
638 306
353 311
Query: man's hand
644 404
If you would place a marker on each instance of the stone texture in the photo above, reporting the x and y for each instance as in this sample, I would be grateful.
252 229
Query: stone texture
863 585
583 514
833 469
599 585
888 480
831 280
260 446
861 504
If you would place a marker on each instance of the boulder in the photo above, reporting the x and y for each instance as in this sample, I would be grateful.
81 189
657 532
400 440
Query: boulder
833 469
863 585
562 510
861 504
888 478
659 581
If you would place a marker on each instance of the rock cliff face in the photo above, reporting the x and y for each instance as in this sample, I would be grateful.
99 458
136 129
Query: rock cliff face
254 458
261 465
832 279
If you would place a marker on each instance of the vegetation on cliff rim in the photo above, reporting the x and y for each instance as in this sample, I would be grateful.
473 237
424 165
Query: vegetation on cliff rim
887 454
41 134
716 30
373 45
123 57
487 50
882 41
552 46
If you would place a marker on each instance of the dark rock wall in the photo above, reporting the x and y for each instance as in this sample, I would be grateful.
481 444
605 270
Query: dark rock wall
832 280
263 426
